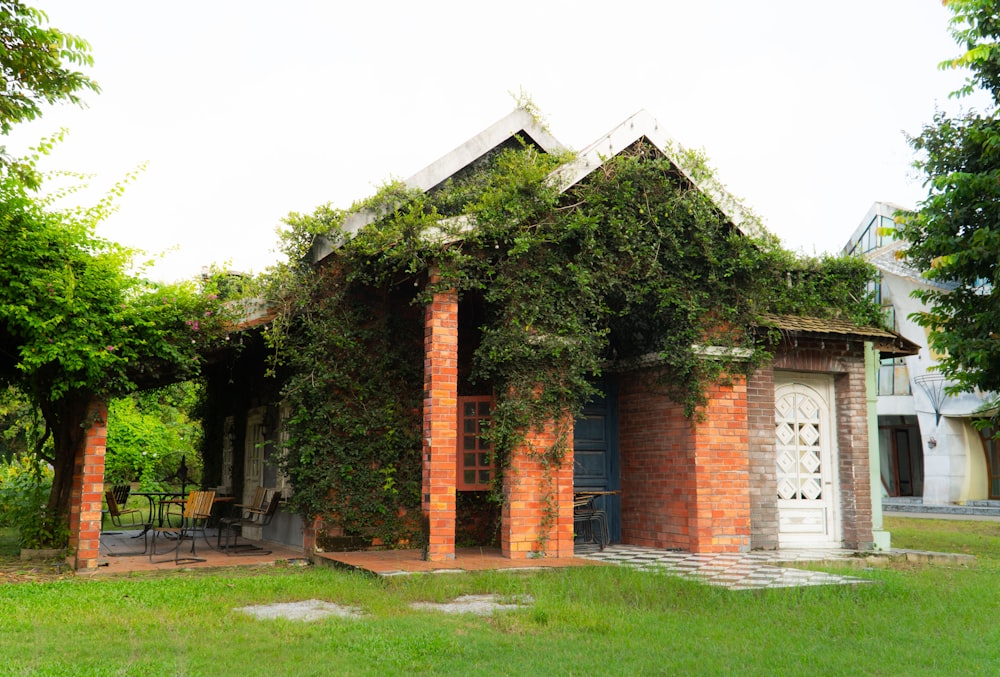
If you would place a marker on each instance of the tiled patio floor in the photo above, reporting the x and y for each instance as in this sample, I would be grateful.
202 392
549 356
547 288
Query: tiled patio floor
399 562
736 571
121 553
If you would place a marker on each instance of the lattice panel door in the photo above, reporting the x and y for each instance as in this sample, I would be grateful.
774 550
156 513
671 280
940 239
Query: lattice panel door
799 460
805 461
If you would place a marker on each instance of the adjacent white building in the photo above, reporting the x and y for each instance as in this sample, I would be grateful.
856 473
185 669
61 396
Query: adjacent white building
928 446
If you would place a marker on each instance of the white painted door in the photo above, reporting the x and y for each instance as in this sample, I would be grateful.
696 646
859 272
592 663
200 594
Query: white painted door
805 442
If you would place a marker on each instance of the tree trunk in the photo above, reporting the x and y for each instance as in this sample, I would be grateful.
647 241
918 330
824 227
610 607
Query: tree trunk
67 421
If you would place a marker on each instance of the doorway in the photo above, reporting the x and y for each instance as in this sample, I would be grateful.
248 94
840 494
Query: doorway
595 453
901 456
805 440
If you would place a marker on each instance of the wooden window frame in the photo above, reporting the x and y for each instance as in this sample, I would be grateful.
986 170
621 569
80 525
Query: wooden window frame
472 453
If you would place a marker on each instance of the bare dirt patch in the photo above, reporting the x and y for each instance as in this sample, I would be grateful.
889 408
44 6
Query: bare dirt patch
481 605
309 610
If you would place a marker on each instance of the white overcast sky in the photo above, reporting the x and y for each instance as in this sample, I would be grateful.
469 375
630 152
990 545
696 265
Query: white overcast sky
248 110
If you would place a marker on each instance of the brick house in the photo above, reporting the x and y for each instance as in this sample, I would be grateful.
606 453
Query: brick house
777 459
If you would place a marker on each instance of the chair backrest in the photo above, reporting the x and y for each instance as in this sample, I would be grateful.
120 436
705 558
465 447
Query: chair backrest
272 507
259 500
199 505
113 509
121 493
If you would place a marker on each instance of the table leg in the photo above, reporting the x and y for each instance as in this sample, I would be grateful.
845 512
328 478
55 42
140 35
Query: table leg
149 520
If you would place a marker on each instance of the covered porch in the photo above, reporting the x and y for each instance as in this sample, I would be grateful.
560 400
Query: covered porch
121 552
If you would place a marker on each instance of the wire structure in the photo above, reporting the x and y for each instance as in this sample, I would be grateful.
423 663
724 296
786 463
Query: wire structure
933 387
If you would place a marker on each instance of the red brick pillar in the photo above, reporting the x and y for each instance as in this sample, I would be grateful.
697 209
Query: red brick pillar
309 532
440 423
537 518
88 490
719 520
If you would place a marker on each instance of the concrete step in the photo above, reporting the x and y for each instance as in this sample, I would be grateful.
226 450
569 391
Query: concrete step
916 505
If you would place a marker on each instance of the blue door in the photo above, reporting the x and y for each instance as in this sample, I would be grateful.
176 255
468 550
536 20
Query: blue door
595 451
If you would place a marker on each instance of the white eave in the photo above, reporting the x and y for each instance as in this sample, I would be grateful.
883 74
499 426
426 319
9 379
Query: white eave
889 261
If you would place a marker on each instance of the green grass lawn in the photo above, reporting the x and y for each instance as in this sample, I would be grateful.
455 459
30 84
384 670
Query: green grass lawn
912 620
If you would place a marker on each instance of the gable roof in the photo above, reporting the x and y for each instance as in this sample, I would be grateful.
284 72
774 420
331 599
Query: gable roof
521 123
640 126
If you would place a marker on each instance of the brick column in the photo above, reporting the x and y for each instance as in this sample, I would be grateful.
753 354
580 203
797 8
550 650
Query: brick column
719 520
537 517
88 490
440 423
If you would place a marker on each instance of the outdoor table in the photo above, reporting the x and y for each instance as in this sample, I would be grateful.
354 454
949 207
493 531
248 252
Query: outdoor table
164 496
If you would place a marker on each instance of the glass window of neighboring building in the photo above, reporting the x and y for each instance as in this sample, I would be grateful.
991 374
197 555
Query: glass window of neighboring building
894 377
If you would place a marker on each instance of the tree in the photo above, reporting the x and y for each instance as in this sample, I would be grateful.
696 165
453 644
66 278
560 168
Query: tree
20 424
76 322
955 234
150 432
77 319
33 63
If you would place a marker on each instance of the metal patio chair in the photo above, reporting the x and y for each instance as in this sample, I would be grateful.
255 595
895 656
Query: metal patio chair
117 513
251 517
197 512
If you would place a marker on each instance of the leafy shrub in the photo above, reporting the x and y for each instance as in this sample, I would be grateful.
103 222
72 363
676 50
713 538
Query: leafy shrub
149 434
25 484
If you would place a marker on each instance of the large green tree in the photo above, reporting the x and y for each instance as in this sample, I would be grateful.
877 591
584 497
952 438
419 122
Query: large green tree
37 67
76 322
151 432
955 235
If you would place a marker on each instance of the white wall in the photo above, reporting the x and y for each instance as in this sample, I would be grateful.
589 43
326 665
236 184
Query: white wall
954 462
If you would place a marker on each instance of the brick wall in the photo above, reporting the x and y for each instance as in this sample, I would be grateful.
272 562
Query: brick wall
440 424
537 515
721 512
684 483
763 479
656 486
88 490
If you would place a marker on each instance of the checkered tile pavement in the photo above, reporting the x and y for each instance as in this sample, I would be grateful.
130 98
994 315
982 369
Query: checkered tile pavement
739 571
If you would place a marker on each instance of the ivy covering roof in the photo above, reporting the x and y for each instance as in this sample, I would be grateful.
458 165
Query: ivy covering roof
523 126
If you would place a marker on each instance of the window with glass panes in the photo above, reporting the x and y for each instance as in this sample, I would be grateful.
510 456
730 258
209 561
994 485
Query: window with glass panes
475 456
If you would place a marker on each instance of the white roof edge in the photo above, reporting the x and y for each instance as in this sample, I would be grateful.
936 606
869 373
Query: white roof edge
517 121
640 125
886 259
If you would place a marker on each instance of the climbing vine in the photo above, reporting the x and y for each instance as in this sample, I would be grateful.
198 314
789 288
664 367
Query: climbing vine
631 263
